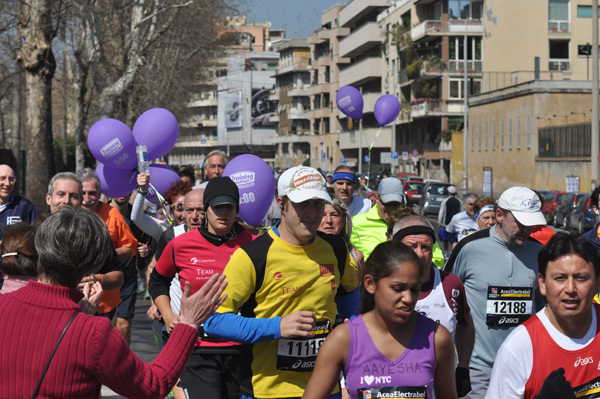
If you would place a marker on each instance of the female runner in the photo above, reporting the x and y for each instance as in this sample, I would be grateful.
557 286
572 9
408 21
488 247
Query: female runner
389 350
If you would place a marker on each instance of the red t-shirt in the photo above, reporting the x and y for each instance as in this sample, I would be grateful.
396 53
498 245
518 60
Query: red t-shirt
196 260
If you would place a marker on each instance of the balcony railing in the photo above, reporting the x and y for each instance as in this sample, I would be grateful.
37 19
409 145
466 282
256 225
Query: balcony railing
559 26
436 27
473 66
559 65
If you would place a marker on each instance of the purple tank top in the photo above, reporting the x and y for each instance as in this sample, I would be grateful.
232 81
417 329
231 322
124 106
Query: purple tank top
369 371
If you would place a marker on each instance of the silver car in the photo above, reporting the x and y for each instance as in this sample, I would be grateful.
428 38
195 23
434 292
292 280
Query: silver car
433 195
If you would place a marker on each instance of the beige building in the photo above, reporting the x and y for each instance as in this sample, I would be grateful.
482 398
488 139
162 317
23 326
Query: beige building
534 134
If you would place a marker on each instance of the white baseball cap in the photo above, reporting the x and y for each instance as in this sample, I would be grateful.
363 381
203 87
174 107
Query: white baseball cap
302 183
452 189
524 204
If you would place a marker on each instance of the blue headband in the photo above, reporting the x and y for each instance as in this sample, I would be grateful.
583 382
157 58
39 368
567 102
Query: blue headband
483 210
351 177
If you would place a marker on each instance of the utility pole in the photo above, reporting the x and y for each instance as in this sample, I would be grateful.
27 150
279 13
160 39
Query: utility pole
595 123
466 111
360 143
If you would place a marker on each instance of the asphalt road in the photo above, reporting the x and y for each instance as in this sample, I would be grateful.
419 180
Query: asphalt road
142 340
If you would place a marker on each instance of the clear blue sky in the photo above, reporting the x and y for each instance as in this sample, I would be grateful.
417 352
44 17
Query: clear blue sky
299 17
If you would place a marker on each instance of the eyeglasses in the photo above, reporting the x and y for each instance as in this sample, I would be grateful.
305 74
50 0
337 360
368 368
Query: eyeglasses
9 179
178 207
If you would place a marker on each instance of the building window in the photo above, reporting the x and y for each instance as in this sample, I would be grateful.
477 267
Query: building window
486 136
494 135
479 136
558 16
457 87
585 12
510 134
518 133
559 55
464 9
565 141
502 134
528 131
456 57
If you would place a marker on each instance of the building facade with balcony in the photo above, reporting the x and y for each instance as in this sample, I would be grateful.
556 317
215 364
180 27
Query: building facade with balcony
424 65
292 79
198 133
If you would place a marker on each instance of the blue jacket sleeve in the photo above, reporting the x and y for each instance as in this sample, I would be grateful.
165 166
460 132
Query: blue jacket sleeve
245 330
348 304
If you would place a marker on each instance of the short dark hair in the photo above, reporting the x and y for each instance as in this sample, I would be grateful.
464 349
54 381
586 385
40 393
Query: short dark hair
71 244
562 244
382 263
595 195
189 174
19 256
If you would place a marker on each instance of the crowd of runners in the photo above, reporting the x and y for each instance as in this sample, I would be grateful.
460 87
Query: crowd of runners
341 293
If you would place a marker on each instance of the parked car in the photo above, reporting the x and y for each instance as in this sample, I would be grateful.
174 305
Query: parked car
583 217
431 197
563 211
551 200
413 190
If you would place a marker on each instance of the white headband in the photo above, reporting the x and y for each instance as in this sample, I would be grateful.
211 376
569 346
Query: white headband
483 210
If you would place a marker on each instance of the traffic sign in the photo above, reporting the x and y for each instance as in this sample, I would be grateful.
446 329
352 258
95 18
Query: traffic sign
343 160
386 157
203 141
405 155
415 153
323 154
366 158
394 154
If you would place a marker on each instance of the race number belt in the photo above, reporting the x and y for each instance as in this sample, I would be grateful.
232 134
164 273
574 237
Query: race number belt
392 392
508 306
589 390
300 354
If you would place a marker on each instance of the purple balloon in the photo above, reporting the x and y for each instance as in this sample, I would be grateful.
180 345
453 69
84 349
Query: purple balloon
350 102
387 109
116 183
110 141
158 130
161 178
256 183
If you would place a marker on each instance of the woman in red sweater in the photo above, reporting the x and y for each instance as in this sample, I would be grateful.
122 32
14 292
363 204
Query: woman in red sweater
73 243
213 369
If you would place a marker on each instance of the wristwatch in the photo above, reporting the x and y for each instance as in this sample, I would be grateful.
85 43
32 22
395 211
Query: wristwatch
140 191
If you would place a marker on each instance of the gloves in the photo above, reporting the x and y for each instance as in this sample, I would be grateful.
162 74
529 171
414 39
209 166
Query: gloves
556 386
463 381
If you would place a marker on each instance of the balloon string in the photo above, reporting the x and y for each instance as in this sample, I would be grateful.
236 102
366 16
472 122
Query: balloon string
132 176
371 147
164 204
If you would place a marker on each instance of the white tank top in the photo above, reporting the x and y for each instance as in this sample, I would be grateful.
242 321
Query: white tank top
435 305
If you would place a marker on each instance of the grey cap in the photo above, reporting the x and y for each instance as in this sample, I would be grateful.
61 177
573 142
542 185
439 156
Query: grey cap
391 190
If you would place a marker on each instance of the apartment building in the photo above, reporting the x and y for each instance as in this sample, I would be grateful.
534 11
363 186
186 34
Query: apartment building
534 112
198 134
245 108
292 79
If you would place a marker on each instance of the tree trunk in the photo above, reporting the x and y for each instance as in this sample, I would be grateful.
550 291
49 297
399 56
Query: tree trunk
37 60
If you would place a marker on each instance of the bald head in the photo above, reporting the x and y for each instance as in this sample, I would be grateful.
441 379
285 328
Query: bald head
7 183
416 233
194 208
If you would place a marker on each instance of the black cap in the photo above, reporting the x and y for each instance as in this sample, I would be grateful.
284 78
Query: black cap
221 190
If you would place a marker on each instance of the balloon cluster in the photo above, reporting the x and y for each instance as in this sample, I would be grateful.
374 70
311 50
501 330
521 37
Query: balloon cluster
350 102
113 144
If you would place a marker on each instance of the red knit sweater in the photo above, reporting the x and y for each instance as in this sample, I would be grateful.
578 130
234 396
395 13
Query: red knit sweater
92 352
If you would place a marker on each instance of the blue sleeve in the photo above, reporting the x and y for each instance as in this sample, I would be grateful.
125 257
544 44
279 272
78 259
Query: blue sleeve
245 330
348 304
